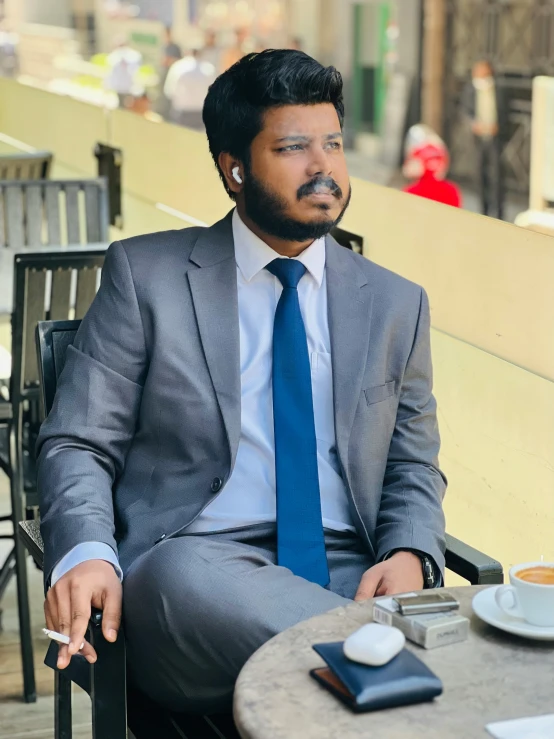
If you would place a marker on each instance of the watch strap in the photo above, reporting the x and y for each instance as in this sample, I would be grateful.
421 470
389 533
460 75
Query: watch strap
432 577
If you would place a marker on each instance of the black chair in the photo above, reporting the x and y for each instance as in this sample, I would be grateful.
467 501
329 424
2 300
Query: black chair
105 680
33 166
46 285
53 212
110 165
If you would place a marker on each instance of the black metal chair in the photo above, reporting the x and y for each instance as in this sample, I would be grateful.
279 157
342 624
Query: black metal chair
53 212
105 680
110 165
33 166
46 285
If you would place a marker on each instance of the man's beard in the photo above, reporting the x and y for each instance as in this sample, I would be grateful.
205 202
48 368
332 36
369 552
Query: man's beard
268 211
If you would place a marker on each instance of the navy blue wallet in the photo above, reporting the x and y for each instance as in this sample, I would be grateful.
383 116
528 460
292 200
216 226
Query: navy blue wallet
404 680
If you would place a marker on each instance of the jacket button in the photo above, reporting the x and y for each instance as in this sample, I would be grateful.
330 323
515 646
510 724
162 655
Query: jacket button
217 484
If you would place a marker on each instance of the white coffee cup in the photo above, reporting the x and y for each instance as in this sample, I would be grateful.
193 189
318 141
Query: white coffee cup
530 601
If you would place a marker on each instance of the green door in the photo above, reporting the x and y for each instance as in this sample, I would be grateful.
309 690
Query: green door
370 48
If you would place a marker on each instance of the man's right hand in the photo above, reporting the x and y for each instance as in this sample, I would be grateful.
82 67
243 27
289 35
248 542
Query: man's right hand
68 606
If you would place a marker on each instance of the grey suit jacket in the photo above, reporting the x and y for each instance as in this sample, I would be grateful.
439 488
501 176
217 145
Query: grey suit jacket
148 410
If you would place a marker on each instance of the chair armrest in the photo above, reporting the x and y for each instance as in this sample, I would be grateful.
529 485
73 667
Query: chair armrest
29 532
471 564
78 670
108 682
105 680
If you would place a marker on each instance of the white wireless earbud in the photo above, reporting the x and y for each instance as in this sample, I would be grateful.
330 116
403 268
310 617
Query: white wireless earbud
236 175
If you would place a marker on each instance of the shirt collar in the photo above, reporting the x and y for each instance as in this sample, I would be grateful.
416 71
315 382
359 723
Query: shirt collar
253 255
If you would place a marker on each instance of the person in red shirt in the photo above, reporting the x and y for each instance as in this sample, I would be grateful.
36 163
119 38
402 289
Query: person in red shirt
427 161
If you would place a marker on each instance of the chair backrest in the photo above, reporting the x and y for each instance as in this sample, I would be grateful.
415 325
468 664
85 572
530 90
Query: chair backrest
349 240
53 212
52 338
35 166
56 286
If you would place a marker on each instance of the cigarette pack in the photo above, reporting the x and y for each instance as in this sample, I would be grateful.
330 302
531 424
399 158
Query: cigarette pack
429 630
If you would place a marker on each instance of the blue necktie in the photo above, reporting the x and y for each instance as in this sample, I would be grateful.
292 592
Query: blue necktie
300 538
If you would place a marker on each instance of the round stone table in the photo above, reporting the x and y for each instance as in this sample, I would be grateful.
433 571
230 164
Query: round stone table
493 676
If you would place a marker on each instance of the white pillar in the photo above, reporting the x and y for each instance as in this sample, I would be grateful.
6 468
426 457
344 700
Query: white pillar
541 185
180 24
433 63
409 40
13 10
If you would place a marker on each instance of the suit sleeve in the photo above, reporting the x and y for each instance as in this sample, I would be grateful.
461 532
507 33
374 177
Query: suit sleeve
83 443
411 515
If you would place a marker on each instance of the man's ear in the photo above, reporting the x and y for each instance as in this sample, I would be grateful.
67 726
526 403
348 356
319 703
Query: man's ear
233 171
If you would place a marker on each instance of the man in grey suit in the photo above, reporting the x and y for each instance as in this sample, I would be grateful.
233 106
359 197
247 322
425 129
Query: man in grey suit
244 431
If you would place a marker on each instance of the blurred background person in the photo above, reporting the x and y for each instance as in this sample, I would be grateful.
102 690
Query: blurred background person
485 105
427 161
141 105
186 88
8 51
123 65
234 53
212 52
171 54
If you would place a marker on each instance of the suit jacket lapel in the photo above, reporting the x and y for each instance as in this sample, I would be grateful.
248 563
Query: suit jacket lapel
349 308
214 293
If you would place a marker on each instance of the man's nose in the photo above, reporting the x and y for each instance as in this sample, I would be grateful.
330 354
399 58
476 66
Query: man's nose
320 163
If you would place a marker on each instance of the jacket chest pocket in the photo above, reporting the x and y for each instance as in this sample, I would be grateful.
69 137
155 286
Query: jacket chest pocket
377 416
379 393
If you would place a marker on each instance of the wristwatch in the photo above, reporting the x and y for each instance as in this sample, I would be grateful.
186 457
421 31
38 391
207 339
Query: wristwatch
429 574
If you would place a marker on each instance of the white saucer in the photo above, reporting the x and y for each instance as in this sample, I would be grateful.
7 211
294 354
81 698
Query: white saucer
484 606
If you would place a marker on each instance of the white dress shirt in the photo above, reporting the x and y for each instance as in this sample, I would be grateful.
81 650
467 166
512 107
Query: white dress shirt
249 496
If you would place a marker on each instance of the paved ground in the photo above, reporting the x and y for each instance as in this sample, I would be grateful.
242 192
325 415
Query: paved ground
19 720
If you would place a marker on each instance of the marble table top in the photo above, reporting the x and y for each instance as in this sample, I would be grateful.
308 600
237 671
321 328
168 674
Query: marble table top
493 676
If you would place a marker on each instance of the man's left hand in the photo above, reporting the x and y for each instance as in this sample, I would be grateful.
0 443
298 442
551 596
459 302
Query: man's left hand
401 573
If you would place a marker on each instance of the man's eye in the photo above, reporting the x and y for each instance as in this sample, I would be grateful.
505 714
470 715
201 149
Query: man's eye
292 147
334 145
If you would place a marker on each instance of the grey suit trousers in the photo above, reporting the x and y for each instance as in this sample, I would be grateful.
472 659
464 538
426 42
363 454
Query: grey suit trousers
197 606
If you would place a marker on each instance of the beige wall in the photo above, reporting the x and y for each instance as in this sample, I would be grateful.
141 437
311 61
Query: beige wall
490 283
497 429
60 124
542 144
490 287
168 164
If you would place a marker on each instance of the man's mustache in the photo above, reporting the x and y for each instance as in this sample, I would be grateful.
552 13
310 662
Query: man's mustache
320 185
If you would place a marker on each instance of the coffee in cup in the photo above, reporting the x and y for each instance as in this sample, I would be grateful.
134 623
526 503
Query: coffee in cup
531 592
542 575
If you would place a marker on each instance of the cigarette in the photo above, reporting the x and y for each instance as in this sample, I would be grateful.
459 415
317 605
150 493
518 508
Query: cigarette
60 638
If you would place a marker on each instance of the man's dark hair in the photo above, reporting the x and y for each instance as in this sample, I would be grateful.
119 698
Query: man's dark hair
237 100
